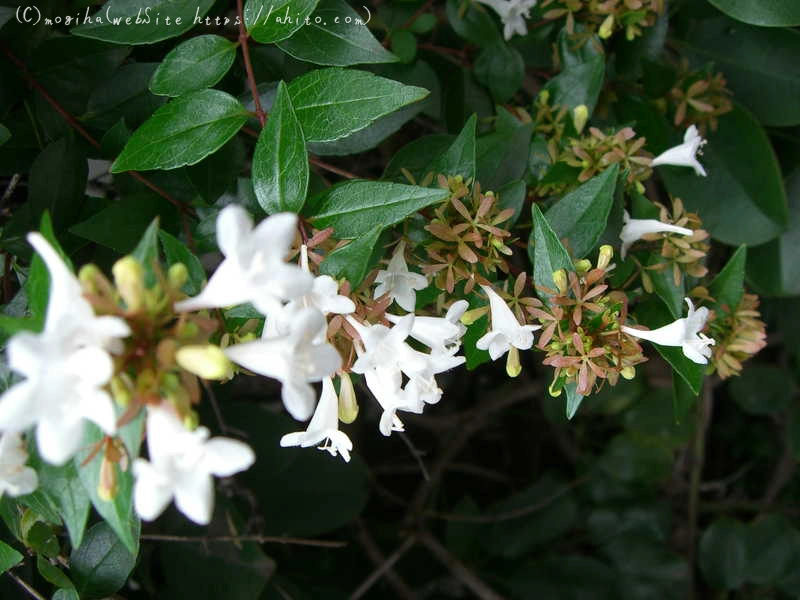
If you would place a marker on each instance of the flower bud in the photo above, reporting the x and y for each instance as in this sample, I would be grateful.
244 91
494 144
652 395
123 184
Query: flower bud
607 28
469 317
129 279
583 266
513 366
628 372
177 275
348 403
165 353
191 420
94 282
107 485
560 280
207 361
605 256
555 388
580 115
121 390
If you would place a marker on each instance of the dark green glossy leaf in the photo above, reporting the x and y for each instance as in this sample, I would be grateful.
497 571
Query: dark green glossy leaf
767 13
335 103
123 96
741 168
353 260
581 216
57 182
52 573
501 69
581 78
546 253
459 158
195 64
143 21
574 399
338 39
772 544
473 22
8 557
101 564
183 132
280 162
728 286
275 20
404 45
723 554
683 399
502 156
415 157
354 207
63 486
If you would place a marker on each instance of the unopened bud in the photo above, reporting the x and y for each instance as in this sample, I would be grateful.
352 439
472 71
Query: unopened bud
469 317
555 388
639 187
607 28
207 361
177 275
544 96
191 420
560 280
580 115
628 372
121 391
348 403
107 485
93 281
605 256
129 279
583 266
513 366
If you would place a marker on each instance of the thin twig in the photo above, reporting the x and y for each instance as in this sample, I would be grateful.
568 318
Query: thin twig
417 454
475 584
244 37
12 185
332 168
780 477
384 566
26 586
258 539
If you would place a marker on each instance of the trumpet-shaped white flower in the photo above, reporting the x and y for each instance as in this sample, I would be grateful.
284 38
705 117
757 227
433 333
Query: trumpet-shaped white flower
15 478
66 367
635 229
684 155
505 332
684 333
324 426
513 14
400 283
294 359
255 268
439 333
181 466
386 348
386 385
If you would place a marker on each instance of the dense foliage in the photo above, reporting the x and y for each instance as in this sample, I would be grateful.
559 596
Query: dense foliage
566 230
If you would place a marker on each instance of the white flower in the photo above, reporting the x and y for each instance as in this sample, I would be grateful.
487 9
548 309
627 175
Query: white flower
181 465
684 155
439 333
66 367
506 332
294 359
15 478
255 268
513 14
684 332
635 229
324 426
386 386
399 282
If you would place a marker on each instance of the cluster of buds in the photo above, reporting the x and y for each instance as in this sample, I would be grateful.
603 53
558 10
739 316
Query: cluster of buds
740 333
550 121
699 98
470 242
681 253
581 332
596 151
165 355
605 17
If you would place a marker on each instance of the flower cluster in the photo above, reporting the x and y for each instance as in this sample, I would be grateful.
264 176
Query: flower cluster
606 16
699 98
741 334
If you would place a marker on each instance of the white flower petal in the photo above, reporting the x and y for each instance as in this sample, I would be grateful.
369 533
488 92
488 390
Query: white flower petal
225 456
194 496
59 438
233 225
152 491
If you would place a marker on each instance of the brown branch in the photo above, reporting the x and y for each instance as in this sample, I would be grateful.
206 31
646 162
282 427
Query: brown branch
26 586
384 566
458 569
248 66
258 539
780 476
332 168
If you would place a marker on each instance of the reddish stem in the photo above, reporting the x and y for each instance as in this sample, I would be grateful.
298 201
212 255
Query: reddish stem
248 66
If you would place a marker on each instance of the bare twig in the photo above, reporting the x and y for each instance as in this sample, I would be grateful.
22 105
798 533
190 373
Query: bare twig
384 566
780 477
244 37
258 539
458 569
26 586
332 168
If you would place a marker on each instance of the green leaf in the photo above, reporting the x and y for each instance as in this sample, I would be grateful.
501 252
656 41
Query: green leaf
353 260
459 158
723 554
472 22
52 573
66 594
583 73
546 253
63 487
758 64
574 399
772 543
581 216
404 45
176 252
683 398
102 564
37 286
767 13
742 169
353 208
727 288
5 134
57 182
143 21
146 251
501 69
338 39
335 103
195 64
275 20
217 173
8 557
280 162
762 389
416 156
773 268
502 156
183 132
118 512
123 96
664 286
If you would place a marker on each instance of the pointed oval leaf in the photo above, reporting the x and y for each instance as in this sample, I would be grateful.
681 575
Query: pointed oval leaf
353 260
728 286
101 565
767 13
195 64
271 21
459 158
183 132
546 253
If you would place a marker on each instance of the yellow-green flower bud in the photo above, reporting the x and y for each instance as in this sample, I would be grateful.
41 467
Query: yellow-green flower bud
107 485
348 403
129 279
177 275
628 372
607 28
554 389
469 317
605 256
93 281
513 366
191 420
207 361
583 266
560 280
580 115
120 391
